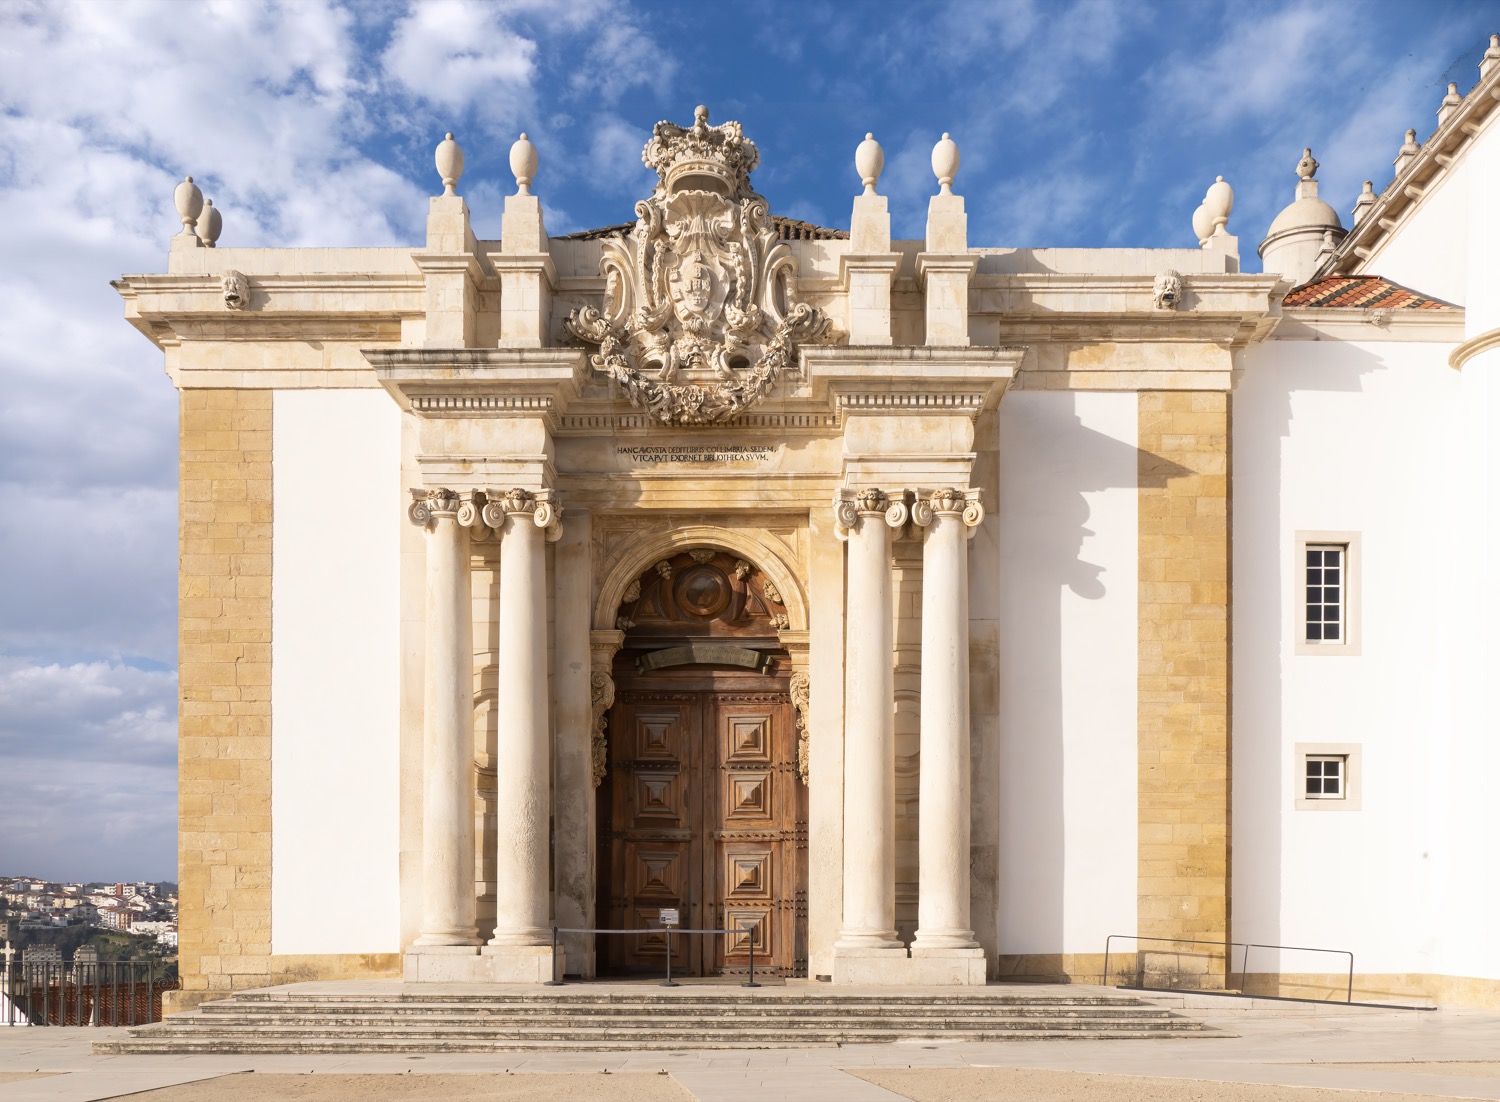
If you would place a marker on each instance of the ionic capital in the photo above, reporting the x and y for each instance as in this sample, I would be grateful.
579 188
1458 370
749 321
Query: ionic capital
541 506
851 507
964 505
428 506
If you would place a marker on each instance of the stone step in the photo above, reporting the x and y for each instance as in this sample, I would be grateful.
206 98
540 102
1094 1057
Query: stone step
487 1029
298 1021
751 1013
310 1044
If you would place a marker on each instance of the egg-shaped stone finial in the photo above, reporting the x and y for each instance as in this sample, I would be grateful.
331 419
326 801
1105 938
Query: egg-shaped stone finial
210 223
869 160
1307 167
1203 224
450 163
1220 202
945 163
523 162
189 200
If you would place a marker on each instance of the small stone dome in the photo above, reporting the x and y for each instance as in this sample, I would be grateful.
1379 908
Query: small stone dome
1307 212
1296 237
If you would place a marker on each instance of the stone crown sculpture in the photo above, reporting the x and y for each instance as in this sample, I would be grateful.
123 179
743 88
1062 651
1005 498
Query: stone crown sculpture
698 323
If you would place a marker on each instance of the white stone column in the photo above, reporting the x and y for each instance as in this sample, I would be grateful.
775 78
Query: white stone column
943 927
448 725
521 944
869 925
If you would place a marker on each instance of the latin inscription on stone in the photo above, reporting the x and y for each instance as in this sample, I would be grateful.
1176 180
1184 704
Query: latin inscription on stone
653 454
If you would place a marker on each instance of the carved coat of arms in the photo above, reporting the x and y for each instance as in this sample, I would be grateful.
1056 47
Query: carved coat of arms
698 322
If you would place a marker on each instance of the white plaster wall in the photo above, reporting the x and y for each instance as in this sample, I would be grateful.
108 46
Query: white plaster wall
1067 523
1429 252
1356 437
1471 891
335 769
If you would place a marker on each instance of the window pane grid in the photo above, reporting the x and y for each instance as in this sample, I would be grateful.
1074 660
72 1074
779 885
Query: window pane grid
1324 778
1325 593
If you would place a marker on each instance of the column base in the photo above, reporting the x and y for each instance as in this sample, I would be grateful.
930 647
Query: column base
920 968
473 964
948 965
523 963
440 964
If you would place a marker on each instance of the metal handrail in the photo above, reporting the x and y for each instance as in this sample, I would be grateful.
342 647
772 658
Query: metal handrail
1230 945
668 930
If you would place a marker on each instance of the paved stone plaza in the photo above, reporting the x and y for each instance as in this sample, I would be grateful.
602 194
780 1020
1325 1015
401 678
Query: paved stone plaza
1268 1052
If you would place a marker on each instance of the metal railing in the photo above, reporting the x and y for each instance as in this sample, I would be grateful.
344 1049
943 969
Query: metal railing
557 981
102 993
1230 946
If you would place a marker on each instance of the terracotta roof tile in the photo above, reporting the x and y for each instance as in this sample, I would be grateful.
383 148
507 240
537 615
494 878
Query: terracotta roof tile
1369 292
787 229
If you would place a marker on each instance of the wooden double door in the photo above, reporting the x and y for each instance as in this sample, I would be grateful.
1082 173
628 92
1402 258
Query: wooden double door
702 810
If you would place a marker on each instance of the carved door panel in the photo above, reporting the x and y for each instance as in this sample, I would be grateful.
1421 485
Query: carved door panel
655 850
705 814
756 850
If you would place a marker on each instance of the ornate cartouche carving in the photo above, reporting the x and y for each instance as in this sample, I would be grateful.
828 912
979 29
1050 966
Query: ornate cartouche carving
698 321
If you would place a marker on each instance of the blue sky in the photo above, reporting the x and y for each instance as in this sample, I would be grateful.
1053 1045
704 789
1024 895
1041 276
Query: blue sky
1093 123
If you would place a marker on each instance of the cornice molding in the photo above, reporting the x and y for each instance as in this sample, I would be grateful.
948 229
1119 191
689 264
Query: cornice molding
1399 200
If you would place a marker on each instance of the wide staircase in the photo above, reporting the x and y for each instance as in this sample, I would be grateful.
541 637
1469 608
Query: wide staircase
342 1018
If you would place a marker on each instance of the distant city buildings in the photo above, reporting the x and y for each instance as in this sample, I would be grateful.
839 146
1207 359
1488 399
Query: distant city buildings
141 908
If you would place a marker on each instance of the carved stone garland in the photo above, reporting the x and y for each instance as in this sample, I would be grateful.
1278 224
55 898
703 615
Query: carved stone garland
698 323
800 700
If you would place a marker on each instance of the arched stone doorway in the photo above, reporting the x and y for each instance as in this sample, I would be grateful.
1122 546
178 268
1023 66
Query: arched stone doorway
702 807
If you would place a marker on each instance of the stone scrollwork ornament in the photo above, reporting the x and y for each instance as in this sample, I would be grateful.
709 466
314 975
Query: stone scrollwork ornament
800 701
698 323
602 694
966 504
850 506
542 507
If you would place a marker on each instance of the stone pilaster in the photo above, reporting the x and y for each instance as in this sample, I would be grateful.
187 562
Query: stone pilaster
865 521
943 923
224 694
1183 666
448 925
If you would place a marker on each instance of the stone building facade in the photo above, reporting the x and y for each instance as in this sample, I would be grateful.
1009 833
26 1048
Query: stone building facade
919 612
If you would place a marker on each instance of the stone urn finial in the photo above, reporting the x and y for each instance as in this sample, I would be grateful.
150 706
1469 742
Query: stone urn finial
450 163
523 162
189 199
869 160
945 163
210 224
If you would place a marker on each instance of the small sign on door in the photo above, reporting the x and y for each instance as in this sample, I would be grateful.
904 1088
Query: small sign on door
669 916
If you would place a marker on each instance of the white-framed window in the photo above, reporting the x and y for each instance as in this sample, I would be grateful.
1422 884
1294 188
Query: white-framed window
1323 776
1327 776
1326 585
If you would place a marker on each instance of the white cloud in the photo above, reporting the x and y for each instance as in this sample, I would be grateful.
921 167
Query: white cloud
89 785
452 52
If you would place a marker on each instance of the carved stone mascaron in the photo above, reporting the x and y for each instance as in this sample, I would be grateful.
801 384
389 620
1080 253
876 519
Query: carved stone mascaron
698 322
